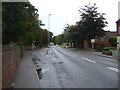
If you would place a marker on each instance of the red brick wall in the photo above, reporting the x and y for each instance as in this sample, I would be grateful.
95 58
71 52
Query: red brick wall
10 59
105 41
87 45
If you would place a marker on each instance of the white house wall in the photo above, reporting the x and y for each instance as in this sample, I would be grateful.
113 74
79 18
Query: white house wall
118 41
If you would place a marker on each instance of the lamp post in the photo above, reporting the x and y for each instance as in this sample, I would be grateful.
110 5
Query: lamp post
48 28
49 21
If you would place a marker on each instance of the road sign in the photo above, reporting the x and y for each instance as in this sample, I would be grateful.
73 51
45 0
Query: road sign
92 40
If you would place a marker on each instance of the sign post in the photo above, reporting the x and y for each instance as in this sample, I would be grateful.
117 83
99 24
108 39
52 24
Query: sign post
92 41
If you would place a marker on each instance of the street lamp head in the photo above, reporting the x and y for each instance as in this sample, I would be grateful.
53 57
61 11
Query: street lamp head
49 14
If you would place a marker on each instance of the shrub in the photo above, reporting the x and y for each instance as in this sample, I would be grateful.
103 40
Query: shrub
109 48
113 41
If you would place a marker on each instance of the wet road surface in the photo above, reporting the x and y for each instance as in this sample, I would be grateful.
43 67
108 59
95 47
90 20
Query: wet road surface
72 68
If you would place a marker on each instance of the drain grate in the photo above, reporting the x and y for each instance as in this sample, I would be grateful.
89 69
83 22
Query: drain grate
39 72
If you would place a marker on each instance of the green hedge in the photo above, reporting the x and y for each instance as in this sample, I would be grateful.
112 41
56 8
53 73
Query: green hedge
109 48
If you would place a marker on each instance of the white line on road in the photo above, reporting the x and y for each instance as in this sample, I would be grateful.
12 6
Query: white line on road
88 60
114 69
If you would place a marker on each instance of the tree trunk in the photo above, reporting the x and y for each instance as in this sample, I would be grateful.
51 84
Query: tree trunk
74 45
70 44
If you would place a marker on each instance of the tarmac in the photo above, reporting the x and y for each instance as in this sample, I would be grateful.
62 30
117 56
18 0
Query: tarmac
26 75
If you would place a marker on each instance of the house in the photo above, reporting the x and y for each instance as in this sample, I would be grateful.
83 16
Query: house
101 42
105 39
118 34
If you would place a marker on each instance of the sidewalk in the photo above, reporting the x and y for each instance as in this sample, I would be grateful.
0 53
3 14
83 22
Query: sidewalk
100 54
26 75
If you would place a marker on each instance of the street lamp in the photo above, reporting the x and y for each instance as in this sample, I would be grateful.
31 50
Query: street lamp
49 22
49 28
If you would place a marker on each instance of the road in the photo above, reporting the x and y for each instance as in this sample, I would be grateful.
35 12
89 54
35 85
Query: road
72 68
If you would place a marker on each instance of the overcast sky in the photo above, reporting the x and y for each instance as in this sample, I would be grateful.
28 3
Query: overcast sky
66 12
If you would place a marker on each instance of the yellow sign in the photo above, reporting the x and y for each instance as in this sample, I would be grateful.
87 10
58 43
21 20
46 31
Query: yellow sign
92 40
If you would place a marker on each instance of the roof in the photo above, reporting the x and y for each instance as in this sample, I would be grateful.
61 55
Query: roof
110 33
118 21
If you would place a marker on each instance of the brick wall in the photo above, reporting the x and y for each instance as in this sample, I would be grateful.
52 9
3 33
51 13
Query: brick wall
87 45
104 41
10 60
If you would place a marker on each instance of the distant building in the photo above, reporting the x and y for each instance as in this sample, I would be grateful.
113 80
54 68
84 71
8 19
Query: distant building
118 31
104 41
118 34
110 33
118 27
101 42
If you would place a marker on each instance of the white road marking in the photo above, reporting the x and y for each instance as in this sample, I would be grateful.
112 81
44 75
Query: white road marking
88 60
114 69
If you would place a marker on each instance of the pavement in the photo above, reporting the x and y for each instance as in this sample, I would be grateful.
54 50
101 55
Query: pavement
99 54
107 56
26 75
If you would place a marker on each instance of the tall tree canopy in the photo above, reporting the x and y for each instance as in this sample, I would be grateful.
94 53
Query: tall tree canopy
59 39
90 26
20 23
71 33
92 22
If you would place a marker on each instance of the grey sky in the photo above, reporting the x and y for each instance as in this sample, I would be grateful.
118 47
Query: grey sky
66 12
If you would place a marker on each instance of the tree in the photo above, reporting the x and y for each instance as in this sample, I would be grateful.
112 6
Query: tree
71 34
46 37
92 22
14 21
89 27
113 41
33 26
38 38
59 39
21 23
50 34
54 40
